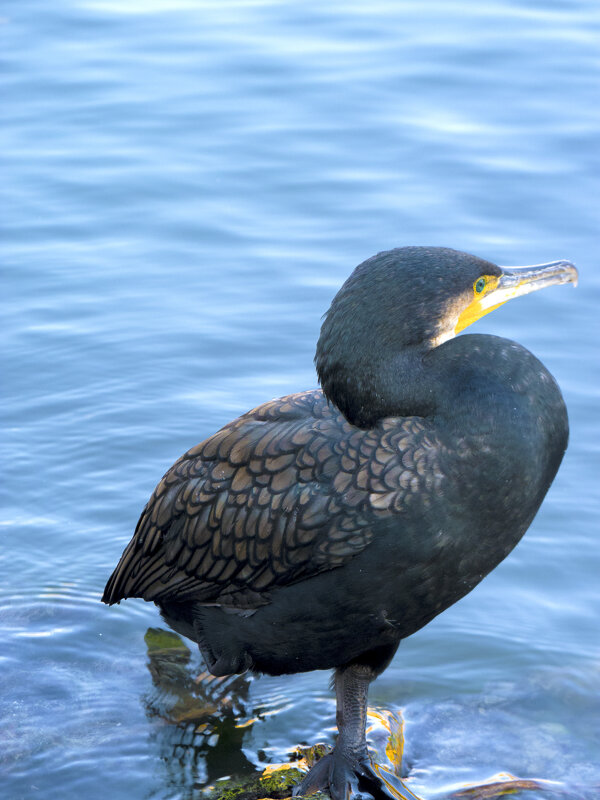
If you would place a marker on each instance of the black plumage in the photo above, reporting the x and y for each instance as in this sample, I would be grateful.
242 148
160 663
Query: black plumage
320 529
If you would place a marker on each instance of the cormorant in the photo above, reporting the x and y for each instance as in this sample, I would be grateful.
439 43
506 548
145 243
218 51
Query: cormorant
320 529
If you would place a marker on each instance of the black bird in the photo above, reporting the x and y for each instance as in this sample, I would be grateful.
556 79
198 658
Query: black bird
320 529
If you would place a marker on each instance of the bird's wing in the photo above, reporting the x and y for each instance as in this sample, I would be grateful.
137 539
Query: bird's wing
282 493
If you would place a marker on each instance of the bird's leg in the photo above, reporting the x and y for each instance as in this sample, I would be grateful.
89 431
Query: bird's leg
351 689
347 772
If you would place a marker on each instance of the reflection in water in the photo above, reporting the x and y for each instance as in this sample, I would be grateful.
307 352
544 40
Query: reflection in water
205 719
200 740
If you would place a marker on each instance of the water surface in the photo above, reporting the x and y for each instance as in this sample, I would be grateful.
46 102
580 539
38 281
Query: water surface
185 186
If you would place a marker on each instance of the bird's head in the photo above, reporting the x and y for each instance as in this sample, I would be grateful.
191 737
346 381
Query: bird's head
411 299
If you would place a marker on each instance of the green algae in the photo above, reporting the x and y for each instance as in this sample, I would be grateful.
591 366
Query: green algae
272 784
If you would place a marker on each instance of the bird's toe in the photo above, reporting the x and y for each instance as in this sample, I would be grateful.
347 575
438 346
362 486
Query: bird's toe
343 778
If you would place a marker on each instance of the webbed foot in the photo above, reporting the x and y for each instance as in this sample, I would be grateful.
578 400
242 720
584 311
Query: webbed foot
343 776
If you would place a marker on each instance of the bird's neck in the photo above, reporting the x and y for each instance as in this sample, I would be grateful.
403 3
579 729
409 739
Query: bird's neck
388 385
456 380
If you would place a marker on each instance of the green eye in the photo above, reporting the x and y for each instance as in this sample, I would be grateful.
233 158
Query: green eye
479 285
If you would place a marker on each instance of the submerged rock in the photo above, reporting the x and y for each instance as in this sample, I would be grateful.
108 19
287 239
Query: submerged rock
272 784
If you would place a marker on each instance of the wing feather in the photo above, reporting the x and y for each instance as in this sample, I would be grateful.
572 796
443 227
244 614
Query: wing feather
284 492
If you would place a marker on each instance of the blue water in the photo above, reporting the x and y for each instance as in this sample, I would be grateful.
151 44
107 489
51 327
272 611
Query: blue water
185 185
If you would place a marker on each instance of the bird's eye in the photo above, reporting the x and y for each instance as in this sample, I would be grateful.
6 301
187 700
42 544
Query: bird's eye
479 285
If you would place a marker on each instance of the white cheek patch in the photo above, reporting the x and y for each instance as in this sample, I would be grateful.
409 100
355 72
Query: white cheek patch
447 327
445 335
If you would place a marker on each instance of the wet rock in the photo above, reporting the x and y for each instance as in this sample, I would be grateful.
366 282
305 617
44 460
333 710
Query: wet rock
275 783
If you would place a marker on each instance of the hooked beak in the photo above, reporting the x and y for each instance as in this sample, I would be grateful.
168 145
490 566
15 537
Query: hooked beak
514 282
